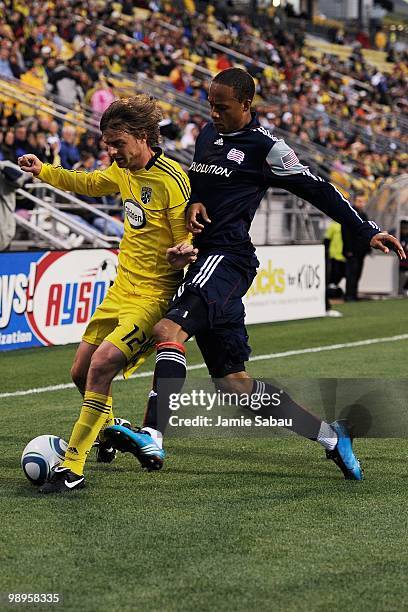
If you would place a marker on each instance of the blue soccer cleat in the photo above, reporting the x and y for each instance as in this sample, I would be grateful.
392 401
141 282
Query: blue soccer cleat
105 453
343 455
137 442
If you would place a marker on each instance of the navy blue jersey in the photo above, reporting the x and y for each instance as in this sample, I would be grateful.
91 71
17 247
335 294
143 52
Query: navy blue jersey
230 174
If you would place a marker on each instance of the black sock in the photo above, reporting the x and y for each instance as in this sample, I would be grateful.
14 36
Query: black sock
281 406
169 377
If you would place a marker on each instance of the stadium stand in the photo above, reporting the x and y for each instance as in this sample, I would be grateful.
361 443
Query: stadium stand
342 107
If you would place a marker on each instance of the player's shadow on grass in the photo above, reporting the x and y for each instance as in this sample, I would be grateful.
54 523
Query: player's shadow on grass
253 474
267 455
27 491
106 469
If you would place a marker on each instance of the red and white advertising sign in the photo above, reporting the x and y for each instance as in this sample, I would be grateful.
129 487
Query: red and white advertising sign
68 287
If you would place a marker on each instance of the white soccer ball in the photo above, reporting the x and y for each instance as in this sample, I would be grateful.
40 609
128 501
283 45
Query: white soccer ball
40 456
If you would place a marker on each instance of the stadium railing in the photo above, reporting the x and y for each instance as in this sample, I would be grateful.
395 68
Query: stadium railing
49 206
283 218
43 210
32 99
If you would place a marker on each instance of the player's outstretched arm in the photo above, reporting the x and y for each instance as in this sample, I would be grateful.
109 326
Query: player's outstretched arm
385 242
181 255
94 184
287 172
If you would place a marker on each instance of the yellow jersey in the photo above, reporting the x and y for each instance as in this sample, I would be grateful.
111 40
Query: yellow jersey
333 233
154 200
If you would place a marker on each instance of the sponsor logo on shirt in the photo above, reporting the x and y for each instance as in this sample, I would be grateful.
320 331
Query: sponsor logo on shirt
135 214
236 155
210 169
146 194
219 142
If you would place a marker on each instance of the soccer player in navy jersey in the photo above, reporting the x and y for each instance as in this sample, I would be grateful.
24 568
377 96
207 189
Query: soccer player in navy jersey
235 162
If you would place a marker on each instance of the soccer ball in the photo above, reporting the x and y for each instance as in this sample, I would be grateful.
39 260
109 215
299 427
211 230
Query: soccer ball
40 456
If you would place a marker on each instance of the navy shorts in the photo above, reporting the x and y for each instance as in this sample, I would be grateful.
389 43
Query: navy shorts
208 305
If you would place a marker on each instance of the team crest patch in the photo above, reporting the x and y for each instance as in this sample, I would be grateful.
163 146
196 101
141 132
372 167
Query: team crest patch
146 195
236 155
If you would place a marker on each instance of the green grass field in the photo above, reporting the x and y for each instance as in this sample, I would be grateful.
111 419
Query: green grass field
229 523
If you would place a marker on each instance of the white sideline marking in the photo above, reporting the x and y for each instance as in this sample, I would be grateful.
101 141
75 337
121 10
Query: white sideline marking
199 366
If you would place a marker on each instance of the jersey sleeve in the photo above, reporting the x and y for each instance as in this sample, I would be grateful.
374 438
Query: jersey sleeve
283 161
194 197
284 170
96 183
178 190
177 220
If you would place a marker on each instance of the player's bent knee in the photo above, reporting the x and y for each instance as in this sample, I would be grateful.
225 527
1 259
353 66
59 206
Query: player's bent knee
166 331
100 372
105 365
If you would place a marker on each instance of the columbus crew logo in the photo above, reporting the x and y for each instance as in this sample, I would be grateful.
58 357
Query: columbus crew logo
146 195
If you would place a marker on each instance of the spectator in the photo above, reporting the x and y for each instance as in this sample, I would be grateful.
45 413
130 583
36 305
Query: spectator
53 135
223 62
10 180
336 261
87 162
16 65
189 136
20 140
178 79
65 84
102 97
354 251
35 78
5 66
89 142
8 146
69 152
47 152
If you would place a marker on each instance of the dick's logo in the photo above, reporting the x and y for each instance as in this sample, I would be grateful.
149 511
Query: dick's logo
135 214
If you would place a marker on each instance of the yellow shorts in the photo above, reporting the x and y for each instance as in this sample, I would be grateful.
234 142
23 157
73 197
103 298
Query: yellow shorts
126 320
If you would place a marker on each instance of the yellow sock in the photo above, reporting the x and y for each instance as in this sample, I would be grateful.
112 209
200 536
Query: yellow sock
96 410
109 421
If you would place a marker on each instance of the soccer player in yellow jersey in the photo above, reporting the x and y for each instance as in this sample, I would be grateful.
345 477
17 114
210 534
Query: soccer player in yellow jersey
154 250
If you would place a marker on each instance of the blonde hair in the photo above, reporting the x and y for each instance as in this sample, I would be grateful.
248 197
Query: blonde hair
139 116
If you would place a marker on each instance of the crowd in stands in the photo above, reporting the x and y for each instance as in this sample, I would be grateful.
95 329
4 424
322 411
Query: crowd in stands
354 113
